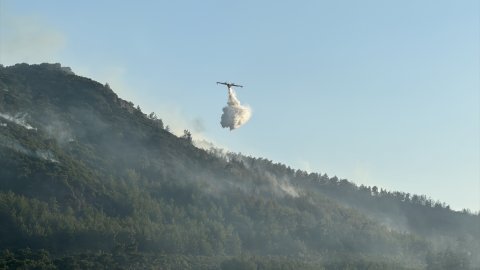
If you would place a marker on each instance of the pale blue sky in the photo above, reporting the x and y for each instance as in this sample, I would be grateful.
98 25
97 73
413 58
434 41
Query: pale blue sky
380 92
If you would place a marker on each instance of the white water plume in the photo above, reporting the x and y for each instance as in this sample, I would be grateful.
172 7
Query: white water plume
234 114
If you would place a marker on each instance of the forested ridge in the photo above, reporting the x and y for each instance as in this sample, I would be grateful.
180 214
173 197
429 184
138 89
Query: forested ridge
89 181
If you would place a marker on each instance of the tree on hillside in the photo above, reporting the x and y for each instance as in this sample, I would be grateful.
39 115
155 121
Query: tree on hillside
187 136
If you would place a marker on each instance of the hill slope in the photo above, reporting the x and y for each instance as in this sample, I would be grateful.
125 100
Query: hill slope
89 181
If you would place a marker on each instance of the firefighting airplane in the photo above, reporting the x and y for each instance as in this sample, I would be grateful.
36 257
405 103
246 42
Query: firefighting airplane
229 85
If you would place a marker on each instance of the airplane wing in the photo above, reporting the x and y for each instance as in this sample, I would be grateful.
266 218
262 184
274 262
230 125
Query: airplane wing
229 84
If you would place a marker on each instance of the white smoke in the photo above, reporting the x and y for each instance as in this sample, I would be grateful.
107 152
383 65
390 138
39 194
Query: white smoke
234 114
18 147
59 130
289 189
19 119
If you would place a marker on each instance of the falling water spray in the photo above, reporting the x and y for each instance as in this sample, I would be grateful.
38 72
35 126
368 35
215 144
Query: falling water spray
234 114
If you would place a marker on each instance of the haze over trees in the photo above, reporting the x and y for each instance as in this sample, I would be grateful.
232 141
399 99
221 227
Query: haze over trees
95 183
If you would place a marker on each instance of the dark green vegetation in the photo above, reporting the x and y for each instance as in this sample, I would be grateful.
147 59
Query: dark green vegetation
98 184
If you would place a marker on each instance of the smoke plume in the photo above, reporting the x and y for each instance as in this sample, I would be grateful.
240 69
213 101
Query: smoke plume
18 147
234 114
19 119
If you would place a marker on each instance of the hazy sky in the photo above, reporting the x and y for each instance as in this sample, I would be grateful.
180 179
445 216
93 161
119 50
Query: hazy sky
380 92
